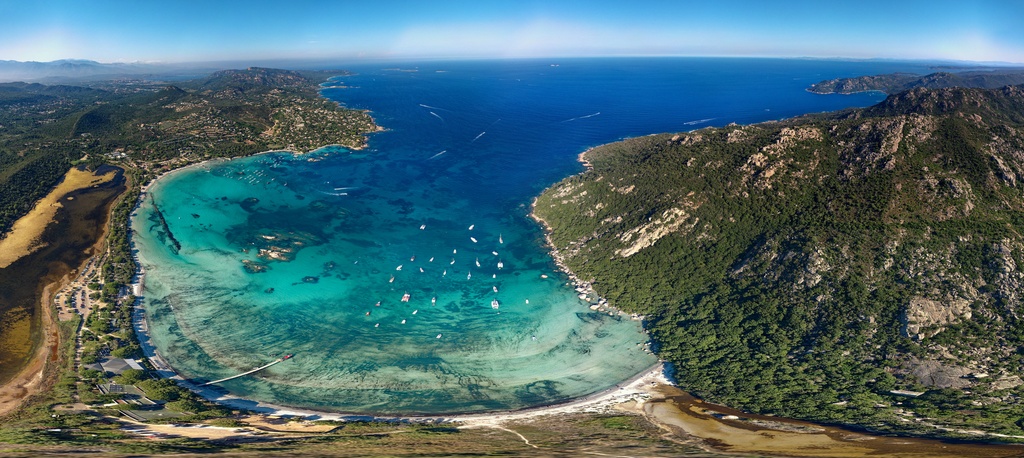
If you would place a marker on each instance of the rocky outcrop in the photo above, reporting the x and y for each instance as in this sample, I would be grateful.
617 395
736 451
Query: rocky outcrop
934 374
672 220
925 318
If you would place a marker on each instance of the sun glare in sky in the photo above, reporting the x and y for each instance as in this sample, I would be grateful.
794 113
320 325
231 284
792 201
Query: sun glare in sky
191 31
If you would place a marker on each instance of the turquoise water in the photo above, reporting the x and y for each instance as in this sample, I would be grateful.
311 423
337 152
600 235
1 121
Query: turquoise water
250 259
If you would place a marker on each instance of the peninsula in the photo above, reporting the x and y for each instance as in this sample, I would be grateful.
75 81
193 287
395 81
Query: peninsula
857 268
864 299
897 82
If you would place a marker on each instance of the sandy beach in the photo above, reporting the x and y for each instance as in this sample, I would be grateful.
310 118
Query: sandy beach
630 389
650 394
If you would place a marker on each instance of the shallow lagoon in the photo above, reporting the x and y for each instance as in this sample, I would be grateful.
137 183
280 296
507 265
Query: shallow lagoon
276 254
271 263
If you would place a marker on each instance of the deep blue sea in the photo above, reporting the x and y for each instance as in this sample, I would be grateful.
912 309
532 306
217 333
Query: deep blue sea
312 255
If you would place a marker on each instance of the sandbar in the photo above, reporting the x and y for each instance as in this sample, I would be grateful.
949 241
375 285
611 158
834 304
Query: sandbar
23 238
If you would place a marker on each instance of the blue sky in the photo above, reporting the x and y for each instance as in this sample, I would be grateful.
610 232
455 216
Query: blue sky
210 30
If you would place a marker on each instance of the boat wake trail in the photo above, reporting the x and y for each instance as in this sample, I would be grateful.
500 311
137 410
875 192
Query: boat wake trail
699 121
437 116
582 117
478 136
433 108
436 155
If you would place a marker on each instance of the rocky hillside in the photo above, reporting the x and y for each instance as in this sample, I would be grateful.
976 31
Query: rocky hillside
255 79
897 82
859 267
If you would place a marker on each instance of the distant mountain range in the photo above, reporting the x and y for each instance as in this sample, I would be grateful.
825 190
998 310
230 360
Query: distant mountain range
73 69
69 71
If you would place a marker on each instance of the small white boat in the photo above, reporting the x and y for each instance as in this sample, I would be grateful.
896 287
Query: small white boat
433 300
413 258
377 304
501 265
423 226
500 239
399 267
405 297
469 275
421 270
471 226
376 325
444 273
495 288
478 262
453 261
455 251
438 336
527 301
494 275
415 311
495 304
473 239
392 280
403 321
431 259
494 253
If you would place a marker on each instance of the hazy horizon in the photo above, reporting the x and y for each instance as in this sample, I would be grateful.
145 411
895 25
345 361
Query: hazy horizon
118 31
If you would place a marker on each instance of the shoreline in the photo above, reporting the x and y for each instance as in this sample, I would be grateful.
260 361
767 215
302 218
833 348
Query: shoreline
39 371
637 386
848 93
583 287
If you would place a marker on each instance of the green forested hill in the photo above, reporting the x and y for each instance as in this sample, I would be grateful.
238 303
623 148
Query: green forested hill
811 267
896 82
156 127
